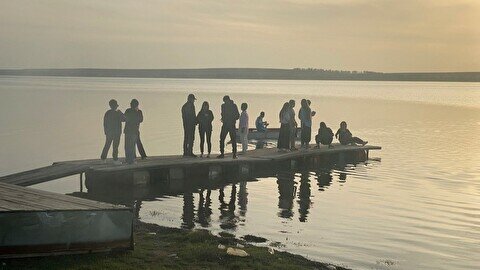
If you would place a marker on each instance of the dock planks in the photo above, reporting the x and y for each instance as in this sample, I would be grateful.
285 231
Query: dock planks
68 168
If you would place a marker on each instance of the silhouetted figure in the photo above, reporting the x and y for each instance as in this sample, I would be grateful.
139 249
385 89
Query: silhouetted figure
112 126
243 127
140 148
261 125
324 136
230 116
305 116
189 121
293 125
283 143
228 219
204 209
204 120
133 118
345 136
324 178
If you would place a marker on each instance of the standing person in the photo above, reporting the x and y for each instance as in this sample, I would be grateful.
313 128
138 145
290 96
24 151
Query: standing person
204 120
293 125
261 125
133 118
112 126
305 115
324 136
243 127
283 143
230 116
345 136
189 121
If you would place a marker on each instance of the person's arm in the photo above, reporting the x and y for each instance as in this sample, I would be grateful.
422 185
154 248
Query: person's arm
336 134
140 116
105 119
210 113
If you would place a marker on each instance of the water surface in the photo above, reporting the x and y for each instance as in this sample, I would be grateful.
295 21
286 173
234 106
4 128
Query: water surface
416 204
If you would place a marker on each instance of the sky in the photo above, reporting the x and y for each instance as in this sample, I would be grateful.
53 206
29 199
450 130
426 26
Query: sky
385 36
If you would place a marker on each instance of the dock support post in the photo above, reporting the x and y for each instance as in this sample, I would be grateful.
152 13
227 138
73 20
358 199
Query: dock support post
81 182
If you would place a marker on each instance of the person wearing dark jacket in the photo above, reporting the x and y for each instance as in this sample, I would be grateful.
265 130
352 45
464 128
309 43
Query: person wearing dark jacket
189 121
133 118
204 120
324 136
229 119
345 136
112 126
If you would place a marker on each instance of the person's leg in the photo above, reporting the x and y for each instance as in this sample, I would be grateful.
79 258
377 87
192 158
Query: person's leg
140 148
293 135
244 139
233 139
358 141
202 139
209 141
191 139
317 140
106 147
223 135
185 141
116 143
308 136
128 151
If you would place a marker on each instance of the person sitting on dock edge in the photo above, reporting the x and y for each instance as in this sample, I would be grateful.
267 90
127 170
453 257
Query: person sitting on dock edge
189 121
324 136
204 120
112 126
133 118
230 116
261 125
345 136
243 127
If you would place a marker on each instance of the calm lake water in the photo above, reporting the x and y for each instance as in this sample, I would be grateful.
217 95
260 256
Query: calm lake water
415 204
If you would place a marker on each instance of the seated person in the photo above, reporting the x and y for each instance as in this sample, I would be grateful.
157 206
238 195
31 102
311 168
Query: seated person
261 125
345 136
324 136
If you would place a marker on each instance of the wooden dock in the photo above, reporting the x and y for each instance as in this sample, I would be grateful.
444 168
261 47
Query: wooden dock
175 165
35 223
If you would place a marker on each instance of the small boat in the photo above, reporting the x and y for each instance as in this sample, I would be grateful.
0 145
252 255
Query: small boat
270 134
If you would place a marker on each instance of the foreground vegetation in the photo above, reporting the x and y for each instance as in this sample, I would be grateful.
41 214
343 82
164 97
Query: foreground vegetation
166 248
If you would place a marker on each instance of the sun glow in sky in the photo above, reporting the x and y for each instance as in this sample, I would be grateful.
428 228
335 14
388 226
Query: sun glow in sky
383 35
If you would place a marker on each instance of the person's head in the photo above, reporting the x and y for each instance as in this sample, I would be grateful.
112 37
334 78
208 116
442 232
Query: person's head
191 98
205 106
134 104
226 99
323 125
262 114
343 125
113 104
304 103
244 106
292 103
286 105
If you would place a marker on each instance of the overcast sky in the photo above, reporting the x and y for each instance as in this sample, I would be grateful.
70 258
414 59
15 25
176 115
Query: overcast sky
383 35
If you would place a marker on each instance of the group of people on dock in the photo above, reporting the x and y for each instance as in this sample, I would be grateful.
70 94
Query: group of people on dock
230 114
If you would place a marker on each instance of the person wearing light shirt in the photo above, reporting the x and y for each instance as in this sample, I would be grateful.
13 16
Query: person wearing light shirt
243 127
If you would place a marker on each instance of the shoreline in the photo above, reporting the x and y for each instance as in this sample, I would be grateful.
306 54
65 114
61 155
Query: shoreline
158 247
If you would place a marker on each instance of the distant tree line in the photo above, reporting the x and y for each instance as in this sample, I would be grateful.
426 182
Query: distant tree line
251 73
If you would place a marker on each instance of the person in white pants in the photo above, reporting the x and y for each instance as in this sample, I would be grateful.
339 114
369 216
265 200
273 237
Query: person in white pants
243 127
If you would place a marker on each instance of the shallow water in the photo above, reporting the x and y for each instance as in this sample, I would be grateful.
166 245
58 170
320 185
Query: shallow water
415 204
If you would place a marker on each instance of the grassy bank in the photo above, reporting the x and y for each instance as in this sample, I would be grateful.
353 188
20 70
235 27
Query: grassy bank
166 248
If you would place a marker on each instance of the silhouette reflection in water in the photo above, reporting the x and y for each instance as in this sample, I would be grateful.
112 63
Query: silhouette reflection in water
286 193
188 210
324 178
204 212
227 218
304 194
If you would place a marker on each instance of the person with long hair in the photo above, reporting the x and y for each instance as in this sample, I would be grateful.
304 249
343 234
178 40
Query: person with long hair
205 119
324 136
283 143
305 115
